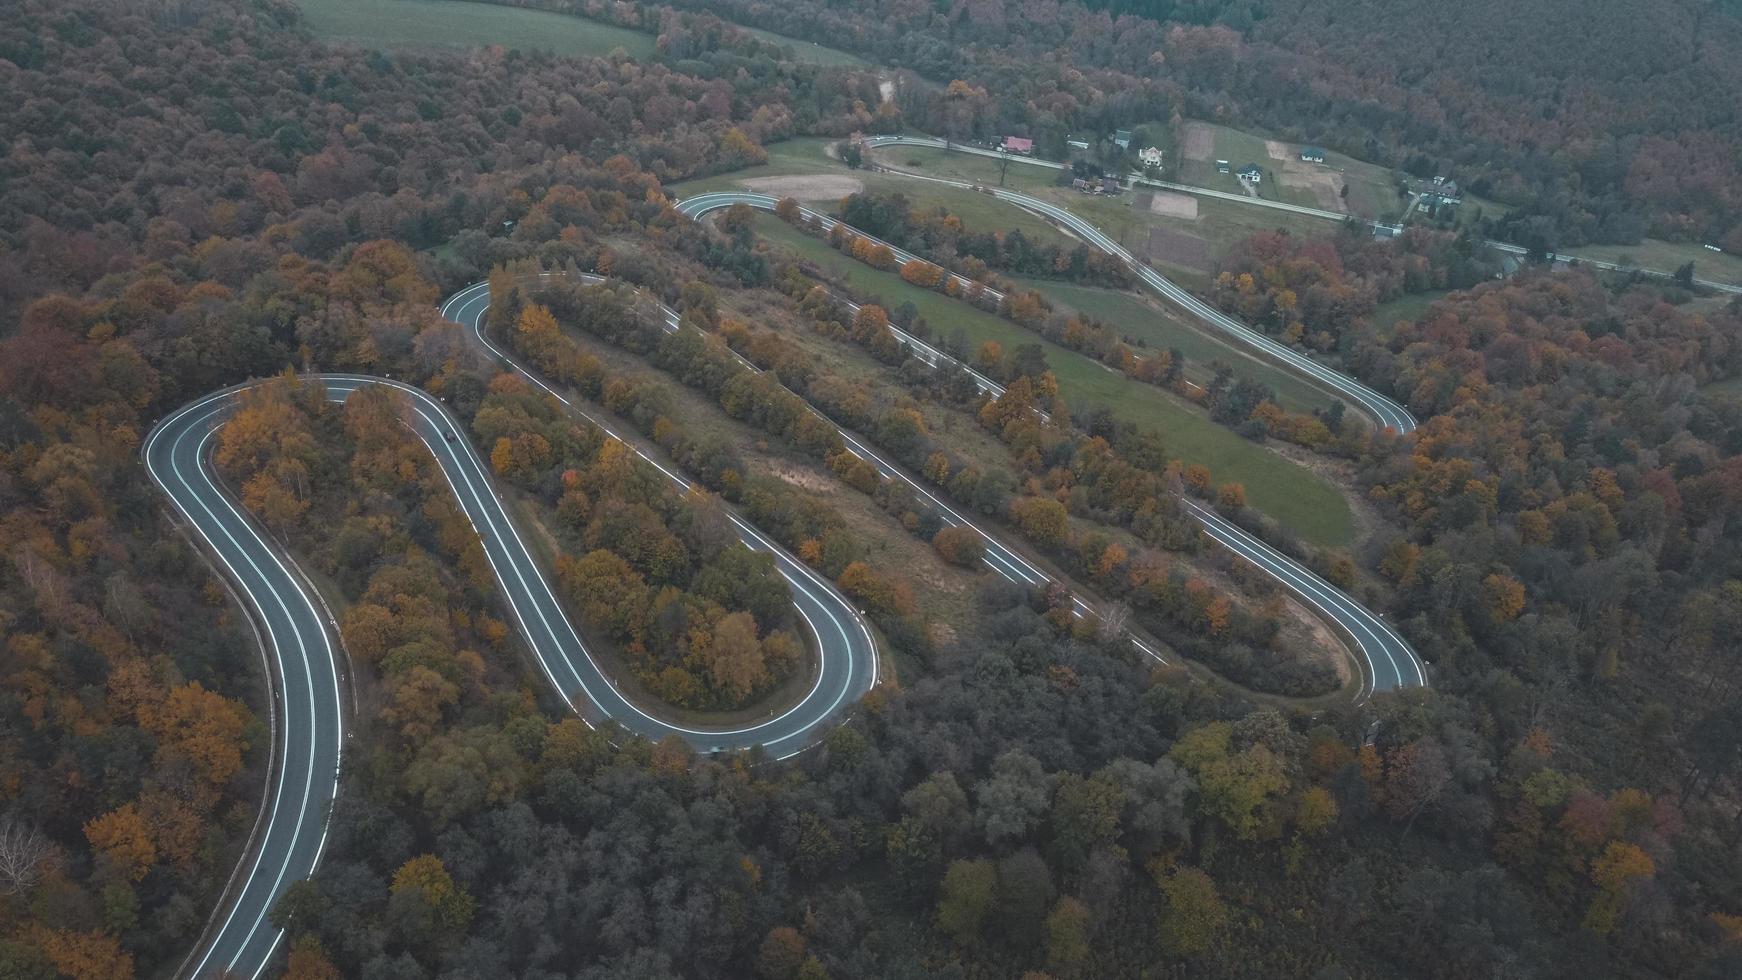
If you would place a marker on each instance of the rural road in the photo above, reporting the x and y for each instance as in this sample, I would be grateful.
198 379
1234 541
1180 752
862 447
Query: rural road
303 646
1390 662
1384 411
1139 179
302 643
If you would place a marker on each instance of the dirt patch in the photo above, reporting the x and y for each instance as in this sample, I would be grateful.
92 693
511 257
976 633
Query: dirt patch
806 187
1197 142
1305 638
1174 205
1342 473
1326 185
1179 248
1309 640
798 478
1278 150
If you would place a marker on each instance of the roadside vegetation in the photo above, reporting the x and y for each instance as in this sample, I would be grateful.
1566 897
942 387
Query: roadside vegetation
1148 320
195 195
1293 494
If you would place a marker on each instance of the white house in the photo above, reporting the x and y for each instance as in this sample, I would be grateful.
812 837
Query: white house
1251 174
1149 156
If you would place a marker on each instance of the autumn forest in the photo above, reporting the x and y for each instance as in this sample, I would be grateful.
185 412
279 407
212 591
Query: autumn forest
1133 752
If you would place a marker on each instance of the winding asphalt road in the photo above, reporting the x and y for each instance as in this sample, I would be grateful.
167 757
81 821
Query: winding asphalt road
1389 659
1382 409
1385 412
1139 179
302 636
469 306
303 645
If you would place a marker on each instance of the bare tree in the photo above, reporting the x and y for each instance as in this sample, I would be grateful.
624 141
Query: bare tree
1114 618
1417 776
24 856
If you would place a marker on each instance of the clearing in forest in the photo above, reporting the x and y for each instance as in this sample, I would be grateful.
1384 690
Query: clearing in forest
806 187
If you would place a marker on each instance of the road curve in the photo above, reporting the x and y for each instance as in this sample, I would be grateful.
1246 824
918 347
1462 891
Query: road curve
1389 659
847 656
468 307
303 648
1384 412
1249 201
302 641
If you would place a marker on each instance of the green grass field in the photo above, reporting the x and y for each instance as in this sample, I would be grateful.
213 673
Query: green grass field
1404 309
1664 256
1219 223
1653 254
807 156
1133 318
811 52
1239 149
1292 494
1025 177
454 23
1371 187
461 23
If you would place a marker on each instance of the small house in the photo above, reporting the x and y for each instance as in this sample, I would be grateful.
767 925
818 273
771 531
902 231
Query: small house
1122 138
1312 154
1109 184
1077 143
1251 174
1080 184
1222 167
1443 195
1149 156
1018 144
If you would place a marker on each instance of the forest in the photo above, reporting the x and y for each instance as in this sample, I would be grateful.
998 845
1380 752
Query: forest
1599 122
196 194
